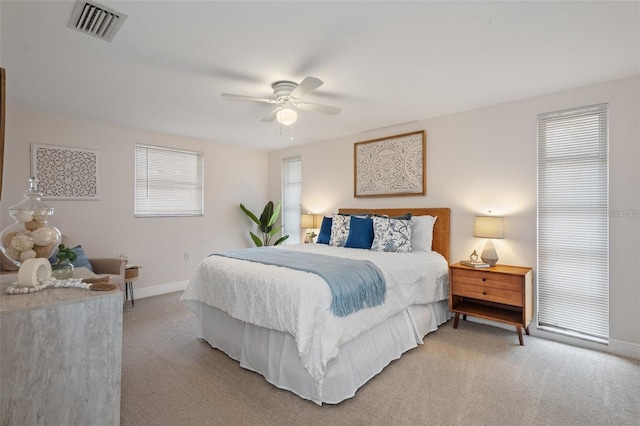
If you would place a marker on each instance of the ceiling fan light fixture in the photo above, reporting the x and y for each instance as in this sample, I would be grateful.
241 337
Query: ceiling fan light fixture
287 116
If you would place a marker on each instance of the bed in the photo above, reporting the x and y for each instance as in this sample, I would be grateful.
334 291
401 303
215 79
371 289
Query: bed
281 323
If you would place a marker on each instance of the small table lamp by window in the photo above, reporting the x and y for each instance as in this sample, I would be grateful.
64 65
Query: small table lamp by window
489 227
310 221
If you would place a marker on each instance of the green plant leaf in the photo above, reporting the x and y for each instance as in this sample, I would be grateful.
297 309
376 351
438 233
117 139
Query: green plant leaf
275 231
250 214
256 240
265 218
274 216
280 240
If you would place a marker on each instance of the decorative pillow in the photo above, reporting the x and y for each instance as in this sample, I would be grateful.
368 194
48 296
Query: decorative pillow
422 232
360 233
324 236
339 230
391 235
82 261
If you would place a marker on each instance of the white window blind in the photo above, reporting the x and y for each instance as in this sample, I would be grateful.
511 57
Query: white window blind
169 182
291 198
573 222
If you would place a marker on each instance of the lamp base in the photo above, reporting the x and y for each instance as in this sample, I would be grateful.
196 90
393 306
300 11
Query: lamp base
489 254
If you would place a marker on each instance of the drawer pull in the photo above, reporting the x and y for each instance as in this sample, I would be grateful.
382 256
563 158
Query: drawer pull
484 279
484 293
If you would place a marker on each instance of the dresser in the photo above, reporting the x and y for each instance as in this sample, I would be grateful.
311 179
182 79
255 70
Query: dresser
500 293
60 357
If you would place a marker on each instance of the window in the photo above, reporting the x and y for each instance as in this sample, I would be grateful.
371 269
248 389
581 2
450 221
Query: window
169 182
291 198
573 222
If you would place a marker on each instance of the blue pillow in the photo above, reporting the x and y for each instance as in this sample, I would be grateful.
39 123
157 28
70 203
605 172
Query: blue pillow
325 231
360 233
82 260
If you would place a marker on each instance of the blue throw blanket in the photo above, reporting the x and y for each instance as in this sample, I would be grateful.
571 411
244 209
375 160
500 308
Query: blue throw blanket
355 284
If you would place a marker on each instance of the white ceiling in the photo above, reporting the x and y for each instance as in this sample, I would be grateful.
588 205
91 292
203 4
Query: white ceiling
384 63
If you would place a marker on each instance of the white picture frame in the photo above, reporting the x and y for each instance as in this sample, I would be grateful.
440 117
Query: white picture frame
66 173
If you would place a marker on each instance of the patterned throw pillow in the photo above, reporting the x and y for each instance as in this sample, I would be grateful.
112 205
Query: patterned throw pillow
391 235
339 230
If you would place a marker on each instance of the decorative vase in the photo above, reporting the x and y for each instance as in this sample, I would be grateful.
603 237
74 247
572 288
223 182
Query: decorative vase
30 236
62 270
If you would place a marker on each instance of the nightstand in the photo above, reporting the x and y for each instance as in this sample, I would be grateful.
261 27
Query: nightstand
499 293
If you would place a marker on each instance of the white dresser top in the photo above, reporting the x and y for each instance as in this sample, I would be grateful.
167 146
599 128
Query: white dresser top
44 299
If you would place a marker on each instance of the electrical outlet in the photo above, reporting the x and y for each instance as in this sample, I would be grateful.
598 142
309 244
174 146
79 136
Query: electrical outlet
186 256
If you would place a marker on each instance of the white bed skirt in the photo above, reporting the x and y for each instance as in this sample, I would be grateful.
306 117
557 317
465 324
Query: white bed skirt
274 355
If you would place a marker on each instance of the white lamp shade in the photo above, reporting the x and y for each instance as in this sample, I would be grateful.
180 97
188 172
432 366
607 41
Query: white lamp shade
489 227
287 116
312 221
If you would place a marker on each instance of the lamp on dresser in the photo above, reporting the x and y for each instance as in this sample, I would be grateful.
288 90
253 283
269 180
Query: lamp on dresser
489 227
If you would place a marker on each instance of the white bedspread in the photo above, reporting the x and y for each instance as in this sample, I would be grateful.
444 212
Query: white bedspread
298 303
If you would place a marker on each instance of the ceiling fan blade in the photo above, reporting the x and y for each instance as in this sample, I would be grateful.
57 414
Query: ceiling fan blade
326 109
309 84
269 117
248 98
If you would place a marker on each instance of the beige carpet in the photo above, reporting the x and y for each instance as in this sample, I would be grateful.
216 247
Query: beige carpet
476 375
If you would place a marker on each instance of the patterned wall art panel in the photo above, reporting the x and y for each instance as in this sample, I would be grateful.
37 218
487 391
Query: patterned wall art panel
391 166
66 173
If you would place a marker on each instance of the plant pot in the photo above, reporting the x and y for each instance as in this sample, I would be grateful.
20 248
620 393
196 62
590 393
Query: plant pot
62 271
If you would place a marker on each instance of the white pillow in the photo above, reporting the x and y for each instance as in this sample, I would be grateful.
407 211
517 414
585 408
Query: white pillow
422 232
339 230
391 235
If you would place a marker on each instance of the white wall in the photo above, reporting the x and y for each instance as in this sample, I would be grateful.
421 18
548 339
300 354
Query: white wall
484 160
108 226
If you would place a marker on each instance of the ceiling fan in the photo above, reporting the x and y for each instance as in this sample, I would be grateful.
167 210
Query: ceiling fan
287 95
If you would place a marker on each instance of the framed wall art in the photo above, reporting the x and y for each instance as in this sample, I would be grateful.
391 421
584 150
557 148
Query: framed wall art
66 173
391 166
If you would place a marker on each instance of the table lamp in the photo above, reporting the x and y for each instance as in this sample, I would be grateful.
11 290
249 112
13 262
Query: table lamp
489 227
310 221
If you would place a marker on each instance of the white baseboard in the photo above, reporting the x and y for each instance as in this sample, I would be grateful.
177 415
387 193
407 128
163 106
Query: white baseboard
626 349
156 290
615 347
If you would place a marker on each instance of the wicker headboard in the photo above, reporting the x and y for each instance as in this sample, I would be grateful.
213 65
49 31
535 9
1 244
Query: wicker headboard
441 229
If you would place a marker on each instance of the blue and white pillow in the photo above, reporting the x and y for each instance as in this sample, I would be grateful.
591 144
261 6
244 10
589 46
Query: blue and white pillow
339 230
391 235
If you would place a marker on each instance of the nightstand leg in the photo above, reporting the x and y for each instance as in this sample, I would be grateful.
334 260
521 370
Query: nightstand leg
131 293
519 330
464 317
526 330
455 320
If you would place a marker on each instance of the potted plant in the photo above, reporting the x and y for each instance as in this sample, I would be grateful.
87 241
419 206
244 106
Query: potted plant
266 224
63 269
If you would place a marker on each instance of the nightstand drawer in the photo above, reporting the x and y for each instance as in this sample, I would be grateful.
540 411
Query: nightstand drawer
490 294
487 279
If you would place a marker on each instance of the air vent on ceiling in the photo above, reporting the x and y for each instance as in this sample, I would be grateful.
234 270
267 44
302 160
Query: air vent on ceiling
96 20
